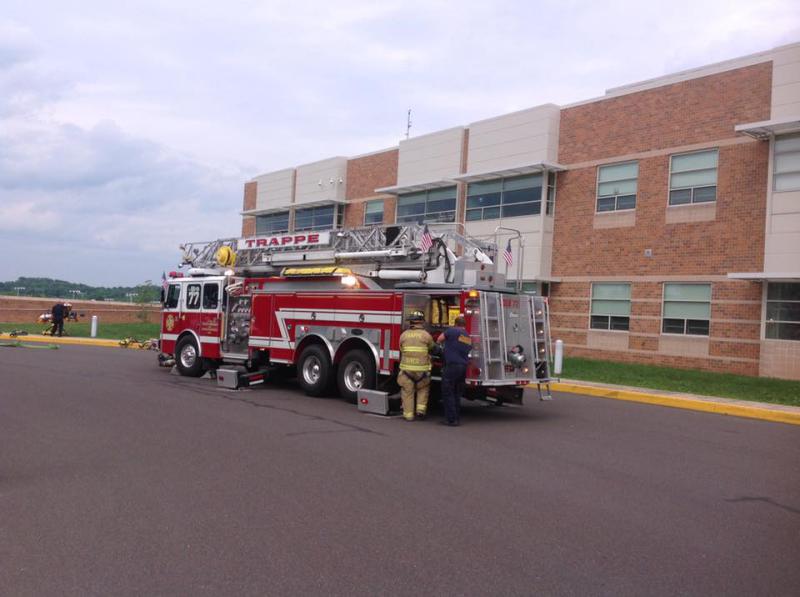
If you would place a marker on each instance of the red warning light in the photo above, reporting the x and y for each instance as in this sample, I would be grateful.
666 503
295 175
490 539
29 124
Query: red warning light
364 401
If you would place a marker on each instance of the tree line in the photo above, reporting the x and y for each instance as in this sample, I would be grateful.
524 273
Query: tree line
50 288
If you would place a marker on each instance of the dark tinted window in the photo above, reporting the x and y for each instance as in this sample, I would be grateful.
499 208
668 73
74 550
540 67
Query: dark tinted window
211 296
173 295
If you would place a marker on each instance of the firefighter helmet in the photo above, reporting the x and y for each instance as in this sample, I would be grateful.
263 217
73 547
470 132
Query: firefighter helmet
416 316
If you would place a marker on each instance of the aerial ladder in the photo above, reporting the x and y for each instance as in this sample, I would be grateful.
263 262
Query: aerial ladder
381 252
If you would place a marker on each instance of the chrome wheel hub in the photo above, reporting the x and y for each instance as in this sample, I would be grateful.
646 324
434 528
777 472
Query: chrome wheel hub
354 376
188 356
312 370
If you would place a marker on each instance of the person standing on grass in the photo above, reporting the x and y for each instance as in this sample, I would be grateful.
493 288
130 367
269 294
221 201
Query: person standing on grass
58 319
457 345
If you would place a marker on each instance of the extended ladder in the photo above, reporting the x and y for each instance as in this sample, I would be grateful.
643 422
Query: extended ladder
395 246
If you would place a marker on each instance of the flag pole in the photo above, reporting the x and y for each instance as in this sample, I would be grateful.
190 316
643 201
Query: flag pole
521 245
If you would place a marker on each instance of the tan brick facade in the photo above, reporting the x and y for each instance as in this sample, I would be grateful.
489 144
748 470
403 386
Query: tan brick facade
694 111
364 175
249 203
694 243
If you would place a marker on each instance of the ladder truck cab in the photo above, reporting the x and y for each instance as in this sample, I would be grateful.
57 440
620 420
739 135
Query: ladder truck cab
332 305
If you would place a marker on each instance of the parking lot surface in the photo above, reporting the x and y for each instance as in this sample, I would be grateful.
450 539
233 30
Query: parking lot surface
119 478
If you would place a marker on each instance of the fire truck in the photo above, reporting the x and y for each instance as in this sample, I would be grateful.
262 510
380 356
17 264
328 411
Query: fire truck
331 305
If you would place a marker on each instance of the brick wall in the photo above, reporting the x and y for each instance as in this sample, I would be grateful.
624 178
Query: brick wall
733 241
364 175
249 222
680 114
705 243
27 310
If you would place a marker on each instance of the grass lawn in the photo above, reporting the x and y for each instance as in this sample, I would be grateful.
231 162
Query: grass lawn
114 331
759 389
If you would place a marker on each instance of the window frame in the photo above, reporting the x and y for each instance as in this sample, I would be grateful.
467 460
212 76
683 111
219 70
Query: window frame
203 306
187 295
544 189
316 227
425 215
775 154
629 300
275 215
383 212
616 197
692 188
177 305
768 321
686 321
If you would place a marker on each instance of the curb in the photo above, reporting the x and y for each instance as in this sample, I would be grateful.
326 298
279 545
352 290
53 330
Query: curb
65 340
720 406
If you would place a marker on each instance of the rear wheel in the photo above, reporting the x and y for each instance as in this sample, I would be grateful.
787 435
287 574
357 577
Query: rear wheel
187 358
356 371
314 370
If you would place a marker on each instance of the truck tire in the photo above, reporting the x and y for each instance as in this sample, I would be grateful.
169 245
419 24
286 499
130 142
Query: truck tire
356 371
314 370
187 358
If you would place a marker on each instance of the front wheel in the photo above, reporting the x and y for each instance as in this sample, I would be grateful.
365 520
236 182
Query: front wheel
356 371
314 370
187 358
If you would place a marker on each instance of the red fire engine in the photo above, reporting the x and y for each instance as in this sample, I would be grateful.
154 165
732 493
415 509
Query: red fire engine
332 304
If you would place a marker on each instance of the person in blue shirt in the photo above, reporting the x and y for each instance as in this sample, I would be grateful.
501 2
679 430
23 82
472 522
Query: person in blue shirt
457 345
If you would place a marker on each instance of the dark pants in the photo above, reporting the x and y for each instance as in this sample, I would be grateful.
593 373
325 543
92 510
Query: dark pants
452 389
58 327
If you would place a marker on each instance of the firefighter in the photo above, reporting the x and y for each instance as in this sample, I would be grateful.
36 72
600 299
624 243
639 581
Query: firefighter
58 319
457 345
415 367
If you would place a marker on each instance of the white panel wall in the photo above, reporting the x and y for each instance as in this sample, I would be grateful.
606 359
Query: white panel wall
786 82
525 137
321 181
782 248
274 190
432 157
538 245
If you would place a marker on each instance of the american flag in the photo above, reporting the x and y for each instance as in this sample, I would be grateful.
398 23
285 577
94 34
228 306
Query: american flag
507 254
164 283
426 242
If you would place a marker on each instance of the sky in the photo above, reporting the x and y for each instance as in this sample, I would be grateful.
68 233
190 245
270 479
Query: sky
129 128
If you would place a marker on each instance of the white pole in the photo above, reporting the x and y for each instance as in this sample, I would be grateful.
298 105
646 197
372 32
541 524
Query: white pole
93 333
559 359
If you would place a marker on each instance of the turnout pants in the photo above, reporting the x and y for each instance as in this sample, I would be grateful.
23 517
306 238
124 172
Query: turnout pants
412 382
58 327
452 388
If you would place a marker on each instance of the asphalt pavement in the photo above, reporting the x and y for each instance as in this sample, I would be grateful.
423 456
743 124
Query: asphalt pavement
119 478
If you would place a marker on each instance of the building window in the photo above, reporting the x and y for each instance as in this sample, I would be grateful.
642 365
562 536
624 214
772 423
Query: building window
611 306
783 311
693 177
534 288
436 205
315 218
273 223
786 167
616 186
505 197
687 309
551 193
373 212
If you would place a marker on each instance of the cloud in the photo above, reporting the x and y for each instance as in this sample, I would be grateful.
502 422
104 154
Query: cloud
126 129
